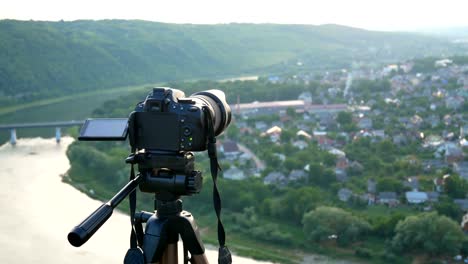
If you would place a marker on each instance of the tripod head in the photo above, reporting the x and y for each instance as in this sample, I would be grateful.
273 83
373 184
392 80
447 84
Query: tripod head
167 172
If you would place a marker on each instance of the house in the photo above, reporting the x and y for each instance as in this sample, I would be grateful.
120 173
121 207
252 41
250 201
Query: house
438 184
274 133
300 144
306 97
412 183
454 102
371 186
284 118
246 131
341 175
453 153
342 162
336 152
434 164
400 139
464 223
295 175
280 156
274 79
230 149
379 133
462 203
462 169
268 108
344 194
325 142
416 197
365 123
464 143
244 157
447 119
275 178
463 131
442 63
416 121
433 121
305 135
261 125
326 120
389 198
433 197
355 167
433 141
241 124
234 174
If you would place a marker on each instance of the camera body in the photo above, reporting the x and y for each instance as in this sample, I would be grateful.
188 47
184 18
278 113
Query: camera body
169 121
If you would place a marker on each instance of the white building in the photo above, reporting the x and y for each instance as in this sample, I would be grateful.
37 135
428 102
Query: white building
416 197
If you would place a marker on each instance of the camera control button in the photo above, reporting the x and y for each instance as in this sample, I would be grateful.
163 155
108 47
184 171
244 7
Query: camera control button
187 131
193 109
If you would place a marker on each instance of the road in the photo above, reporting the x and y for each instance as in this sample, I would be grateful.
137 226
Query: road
258 163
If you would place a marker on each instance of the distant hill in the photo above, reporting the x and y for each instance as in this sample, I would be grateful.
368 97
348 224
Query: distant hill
40 59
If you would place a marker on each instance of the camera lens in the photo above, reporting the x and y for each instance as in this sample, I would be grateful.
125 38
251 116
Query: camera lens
216 100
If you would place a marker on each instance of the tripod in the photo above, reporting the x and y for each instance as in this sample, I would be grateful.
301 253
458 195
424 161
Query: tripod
162 231
158 244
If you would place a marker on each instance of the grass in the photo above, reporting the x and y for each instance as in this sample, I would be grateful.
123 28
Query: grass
72 107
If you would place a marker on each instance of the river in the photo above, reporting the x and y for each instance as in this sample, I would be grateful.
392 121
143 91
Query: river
38 210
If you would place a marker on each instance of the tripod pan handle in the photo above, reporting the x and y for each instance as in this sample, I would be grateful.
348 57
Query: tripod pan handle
82 232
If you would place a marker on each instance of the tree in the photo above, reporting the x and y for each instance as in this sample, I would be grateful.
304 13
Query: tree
344 118
384 225
324 222
428 233
287 135
233 132
389 185
321 176
448 208
295 202
456 187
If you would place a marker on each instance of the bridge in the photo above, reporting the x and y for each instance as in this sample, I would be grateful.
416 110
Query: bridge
57 125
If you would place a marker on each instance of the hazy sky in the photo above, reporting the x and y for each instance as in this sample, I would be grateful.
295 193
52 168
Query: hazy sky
369 14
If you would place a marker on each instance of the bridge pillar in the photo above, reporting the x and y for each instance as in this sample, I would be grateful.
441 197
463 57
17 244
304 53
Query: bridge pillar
58 134
13 136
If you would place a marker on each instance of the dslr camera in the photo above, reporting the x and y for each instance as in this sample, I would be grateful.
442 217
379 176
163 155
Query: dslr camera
166 121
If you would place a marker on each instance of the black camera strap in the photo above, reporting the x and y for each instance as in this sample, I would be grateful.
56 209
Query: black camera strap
134 254
224 255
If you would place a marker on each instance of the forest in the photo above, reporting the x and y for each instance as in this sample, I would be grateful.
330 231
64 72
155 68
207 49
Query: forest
46 59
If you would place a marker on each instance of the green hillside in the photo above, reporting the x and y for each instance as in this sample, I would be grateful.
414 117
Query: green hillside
44 59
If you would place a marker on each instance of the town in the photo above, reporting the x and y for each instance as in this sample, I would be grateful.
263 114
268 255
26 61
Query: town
419 119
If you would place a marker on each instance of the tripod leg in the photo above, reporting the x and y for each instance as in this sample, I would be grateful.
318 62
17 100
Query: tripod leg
199 259
188 230
155 239
170 255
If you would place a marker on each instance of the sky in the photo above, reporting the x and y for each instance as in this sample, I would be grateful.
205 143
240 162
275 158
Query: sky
385 15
